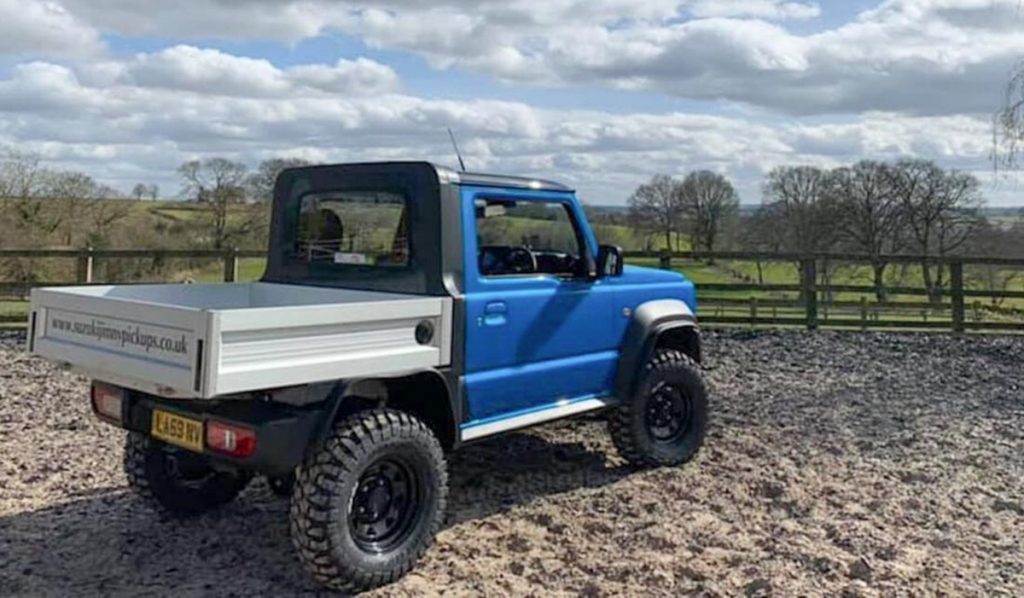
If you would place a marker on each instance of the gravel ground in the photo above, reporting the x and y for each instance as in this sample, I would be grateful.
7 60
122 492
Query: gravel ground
839 464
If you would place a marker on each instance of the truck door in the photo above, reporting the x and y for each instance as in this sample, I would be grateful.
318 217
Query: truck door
537 330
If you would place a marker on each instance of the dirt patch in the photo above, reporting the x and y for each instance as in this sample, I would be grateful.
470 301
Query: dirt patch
846 464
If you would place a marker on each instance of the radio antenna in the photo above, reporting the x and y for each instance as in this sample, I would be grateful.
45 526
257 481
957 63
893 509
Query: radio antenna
455 145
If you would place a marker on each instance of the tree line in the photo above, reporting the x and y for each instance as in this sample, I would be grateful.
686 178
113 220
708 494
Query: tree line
48 207
223 188
871 208
44 207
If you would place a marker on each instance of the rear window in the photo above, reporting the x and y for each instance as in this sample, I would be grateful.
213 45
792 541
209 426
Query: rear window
366 229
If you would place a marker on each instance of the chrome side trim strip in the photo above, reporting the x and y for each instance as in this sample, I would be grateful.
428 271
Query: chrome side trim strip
558 411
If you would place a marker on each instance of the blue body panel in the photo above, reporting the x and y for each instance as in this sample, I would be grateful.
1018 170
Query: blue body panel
539 340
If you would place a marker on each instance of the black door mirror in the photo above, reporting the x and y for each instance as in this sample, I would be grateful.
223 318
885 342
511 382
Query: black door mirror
609 261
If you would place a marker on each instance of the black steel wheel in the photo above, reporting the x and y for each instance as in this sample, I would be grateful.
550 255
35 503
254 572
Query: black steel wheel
389 494
668 413
665 421
367 504
178 481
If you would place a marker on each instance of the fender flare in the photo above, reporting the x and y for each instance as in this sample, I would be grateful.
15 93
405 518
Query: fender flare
650 321
342 393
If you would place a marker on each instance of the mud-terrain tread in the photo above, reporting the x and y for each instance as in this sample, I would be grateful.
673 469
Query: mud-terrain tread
620 419
137 447
312 520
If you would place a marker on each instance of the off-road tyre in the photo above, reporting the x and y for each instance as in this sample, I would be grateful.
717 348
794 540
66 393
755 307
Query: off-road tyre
636 424
178 492
337 497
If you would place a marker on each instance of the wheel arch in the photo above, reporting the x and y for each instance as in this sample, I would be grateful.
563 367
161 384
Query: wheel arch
424 394
664 323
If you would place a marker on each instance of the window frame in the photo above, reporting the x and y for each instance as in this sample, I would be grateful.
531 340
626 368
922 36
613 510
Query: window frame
583 246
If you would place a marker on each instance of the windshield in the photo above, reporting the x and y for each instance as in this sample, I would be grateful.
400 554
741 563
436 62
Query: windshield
353 228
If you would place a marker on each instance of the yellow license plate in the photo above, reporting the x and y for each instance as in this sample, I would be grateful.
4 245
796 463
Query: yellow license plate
181 431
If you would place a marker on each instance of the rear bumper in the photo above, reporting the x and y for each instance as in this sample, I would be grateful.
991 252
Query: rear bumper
283 432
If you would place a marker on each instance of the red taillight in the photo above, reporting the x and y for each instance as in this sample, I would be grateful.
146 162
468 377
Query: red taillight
230 439
107 401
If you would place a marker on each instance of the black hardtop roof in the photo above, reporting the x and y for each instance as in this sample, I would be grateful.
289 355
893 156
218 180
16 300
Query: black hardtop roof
448 175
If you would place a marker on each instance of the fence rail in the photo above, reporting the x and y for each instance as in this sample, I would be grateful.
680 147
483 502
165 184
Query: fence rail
816 299
816 305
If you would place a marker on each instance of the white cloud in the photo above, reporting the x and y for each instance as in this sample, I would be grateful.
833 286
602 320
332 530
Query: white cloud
44 28
762 9
911 77
913 56
212 72
124 124
347 76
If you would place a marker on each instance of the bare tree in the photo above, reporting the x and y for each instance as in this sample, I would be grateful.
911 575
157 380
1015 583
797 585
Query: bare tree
140 191
941 212
802 205
105 213
24 182
707 200
19 173
870 214
763 230
655 206
71 195
217 184
990 239
153 191
804 209
261 183
1008 132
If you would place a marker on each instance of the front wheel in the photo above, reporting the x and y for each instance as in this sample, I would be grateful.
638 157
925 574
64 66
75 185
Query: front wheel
665 421
368 503
178 481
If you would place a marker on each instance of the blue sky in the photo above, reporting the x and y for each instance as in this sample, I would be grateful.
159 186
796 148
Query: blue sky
602 94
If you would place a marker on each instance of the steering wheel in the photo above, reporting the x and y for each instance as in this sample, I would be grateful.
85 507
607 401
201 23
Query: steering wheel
520 260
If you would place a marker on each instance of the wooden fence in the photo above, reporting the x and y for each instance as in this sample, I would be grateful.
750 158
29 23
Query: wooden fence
816 304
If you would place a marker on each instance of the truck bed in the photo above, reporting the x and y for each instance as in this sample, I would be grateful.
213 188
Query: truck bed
213 340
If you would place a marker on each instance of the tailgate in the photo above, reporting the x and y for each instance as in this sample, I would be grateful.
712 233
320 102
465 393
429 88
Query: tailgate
157 349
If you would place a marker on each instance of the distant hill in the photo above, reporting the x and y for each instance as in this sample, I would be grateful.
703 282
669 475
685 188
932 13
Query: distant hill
1003 212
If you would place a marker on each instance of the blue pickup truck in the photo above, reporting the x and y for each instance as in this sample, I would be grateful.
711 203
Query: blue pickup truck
406 310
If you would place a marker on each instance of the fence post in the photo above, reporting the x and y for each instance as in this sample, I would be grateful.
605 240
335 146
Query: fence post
753 310
231 265
809 286
84 269
956 288
863 312
665 261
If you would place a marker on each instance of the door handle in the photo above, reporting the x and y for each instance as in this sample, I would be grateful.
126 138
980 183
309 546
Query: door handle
495 314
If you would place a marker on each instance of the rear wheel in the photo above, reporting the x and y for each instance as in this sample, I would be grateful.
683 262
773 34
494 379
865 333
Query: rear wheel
282 485
178 481
367 505
665 421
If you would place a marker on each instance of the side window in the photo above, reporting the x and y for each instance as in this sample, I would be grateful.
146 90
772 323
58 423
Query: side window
518 238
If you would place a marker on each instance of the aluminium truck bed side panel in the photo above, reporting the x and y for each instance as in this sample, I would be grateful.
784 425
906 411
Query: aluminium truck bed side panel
160 340
285 346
